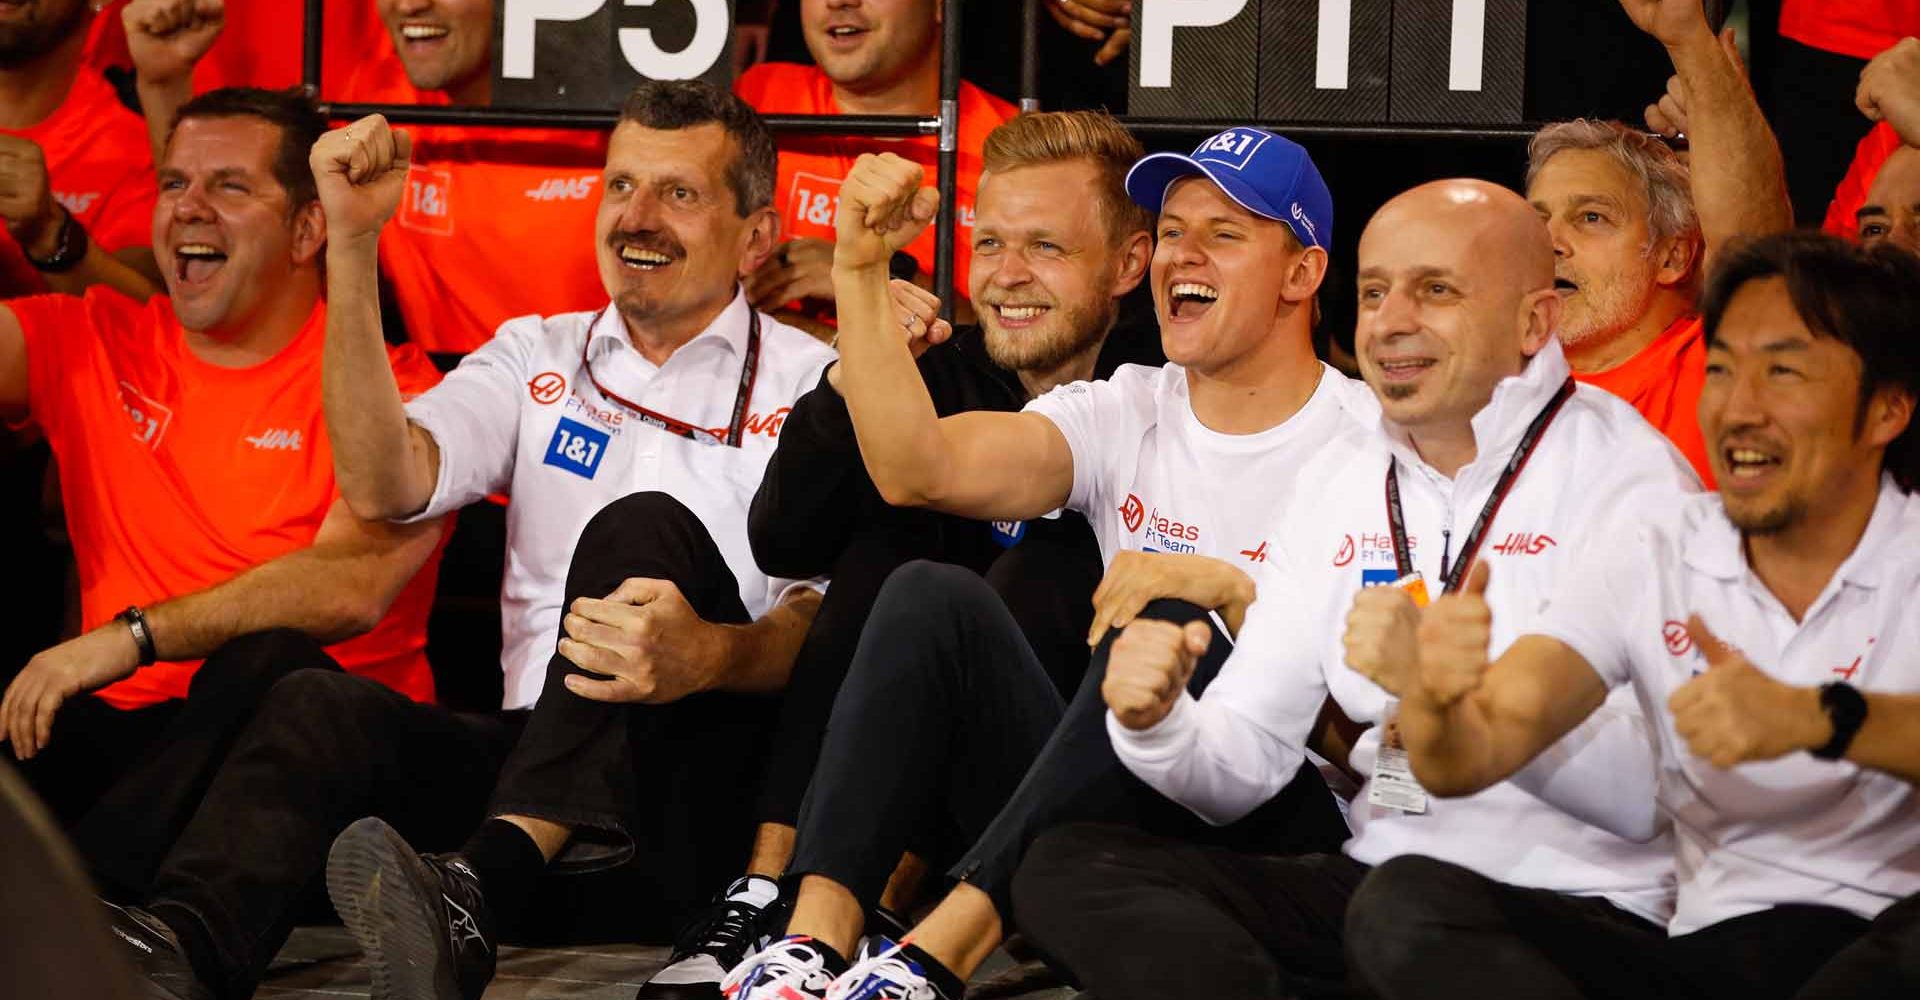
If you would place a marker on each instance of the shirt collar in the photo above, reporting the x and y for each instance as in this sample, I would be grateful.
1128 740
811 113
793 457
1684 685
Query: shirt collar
1499 425
729 328
1715 546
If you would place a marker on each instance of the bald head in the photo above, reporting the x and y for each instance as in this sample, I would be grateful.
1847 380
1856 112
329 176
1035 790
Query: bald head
1456 293
1499 228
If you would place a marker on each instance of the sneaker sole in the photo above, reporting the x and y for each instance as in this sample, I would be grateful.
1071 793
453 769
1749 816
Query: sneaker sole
386 897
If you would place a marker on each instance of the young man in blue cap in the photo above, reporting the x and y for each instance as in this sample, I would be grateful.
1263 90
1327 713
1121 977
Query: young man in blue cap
1180 470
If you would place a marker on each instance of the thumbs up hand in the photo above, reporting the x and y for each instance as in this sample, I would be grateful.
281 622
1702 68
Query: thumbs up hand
1454 635
1734 712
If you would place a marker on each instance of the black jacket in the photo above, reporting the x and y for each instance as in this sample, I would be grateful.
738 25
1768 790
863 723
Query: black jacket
816 494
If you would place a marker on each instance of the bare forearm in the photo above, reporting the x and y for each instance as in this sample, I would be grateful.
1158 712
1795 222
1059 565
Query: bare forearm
1450 747
330 593
160 103
893 416
377 461
760 658
1739 180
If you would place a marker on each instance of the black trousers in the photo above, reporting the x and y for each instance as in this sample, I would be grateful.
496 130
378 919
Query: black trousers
1425 928
1047 581
328 748
1882 965
947 715
113 759
1137 916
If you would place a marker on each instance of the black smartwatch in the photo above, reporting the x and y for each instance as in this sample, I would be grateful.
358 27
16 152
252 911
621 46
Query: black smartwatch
903 266
1846 708
136 622
69 250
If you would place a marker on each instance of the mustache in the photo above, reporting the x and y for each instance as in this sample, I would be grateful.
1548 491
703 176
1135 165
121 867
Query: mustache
647 239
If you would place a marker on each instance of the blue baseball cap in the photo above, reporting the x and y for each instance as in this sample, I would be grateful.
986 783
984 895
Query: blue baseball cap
1266 173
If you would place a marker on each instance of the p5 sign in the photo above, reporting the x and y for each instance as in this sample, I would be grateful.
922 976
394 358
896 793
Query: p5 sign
590 53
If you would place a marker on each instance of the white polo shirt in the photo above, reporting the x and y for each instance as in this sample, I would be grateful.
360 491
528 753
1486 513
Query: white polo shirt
1792 830
1227 752
1150 477
520 416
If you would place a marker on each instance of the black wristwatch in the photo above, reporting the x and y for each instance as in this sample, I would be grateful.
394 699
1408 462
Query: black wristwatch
136 622
1846 708
903 266
69 250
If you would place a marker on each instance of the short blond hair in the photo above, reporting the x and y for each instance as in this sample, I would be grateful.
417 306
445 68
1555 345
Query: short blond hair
1043 137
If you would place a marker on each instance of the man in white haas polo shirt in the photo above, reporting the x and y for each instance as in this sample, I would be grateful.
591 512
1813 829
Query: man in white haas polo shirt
1481 451
631 441
1769 635
1179 470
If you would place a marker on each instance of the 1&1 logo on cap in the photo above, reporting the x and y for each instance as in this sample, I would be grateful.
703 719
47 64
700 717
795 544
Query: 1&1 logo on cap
1233 148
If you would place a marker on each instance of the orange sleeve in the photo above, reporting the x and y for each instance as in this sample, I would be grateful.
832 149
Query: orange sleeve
412 369
58 330
751 86
1868 158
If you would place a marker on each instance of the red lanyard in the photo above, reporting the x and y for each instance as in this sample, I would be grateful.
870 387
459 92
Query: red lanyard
749 370
1452 576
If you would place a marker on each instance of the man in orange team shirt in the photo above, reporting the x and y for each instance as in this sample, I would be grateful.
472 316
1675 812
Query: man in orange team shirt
1633 226
496 222
199 492
1880 198
76 180
874 57
264 44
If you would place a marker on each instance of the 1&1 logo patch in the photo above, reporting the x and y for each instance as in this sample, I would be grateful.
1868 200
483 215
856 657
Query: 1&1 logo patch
576 448
1008 533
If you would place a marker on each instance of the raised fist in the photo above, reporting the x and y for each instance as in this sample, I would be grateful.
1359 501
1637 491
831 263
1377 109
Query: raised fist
883 207
167 38
1382 638
1147 668
1670 22
361 171
1890 89
26 199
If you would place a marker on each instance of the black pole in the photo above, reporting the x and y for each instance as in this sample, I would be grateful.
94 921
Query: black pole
1319 130
949 155
312 45
1029 55
583 118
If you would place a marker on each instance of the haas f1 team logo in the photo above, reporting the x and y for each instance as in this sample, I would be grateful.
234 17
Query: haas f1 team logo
1133 513
1524 543
1345 556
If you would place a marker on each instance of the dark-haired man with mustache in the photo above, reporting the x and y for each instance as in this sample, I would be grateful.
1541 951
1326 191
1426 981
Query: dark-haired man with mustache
631 439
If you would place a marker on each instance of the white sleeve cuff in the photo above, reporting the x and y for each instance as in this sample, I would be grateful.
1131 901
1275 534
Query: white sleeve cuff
1161 742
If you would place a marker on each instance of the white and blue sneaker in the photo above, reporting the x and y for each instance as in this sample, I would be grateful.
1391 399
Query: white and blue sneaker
791 968
882 972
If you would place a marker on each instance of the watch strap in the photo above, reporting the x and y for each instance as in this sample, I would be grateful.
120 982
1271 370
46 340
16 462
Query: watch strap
1846 708
69 250
136 622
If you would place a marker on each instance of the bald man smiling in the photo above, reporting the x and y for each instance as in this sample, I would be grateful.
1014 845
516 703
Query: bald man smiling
1486 464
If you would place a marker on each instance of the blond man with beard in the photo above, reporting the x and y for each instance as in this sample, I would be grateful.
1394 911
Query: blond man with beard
1058 247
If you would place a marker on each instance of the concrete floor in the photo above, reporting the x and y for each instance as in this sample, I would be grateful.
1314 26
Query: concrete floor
323 962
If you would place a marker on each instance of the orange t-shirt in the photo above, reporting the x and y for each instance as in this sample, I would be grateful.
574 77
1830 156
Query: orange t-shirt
1872 153
1663 382
177 474
260 45
1858 28
812 167
100 169
495 222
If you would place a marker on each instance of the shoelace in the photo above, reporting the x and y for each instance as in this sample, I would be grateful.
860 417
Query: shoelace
778 965
888 966
727 934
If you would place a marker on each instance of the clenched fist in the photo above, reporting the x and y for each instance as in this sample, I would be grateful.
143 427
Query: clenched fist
1454 635
884 205
167 38
26 197
1147 668
1382 638
1890 89
361 171
646 640
1734 712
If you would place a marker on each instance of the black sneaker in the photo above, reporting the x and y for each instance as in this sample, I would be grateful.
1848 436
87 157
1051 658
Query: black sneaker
737 923
420 918
155 952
